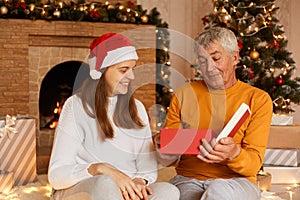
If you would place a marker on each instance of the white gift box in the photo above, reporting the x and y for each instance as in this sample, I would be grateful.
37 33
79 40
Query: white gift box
282 120
284 174
282 157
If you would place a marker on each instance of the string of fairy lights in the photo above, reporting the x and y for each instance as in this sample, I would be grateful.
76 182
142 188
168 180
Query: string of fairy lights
84 11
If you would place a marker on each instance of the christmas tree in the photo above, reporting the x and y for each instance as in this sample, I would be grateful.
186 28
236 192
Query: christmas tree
264 60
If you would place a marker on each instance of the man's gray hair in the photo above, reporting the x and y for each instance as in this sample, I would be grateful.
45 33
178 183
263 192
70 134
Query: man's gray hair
225 36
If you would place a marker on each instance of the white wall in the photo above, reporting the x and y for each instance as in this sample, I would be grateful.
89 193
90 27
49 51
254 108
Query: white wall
185 16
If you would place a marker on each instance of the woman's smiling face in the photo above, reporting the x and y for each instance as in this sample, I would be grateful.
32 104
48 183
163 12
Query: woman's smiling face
118 77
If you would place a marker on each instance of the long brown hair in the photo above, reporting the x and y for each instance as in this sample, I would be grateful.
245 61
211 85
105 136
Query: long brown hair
94 96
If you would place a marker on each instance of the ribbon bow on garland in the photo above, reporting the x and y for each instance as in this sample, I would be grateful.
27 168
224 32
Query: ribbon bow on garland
8 128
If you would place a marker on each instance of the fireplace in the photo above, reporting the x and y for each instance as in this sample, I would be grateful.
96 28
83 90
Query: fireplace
58 85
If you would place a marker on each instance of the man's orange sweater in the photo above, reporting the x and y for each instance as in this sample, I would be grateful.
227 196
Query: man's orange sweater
194 106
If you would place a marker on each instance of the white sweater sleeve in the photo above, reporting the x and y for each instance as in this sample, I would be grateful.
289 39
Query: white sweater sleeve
64 171
146 161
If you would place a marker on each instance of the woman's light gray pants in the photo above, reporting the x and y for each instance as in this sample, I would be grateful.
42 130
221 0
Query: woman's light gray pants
103 187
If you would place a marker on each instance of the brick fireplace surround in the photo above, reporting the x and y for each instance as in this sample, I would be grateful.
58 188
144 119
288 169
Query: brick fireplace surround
29 49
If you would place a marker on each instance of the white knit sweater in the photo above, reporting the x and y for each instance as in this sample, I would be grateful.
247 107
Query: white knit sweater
77 145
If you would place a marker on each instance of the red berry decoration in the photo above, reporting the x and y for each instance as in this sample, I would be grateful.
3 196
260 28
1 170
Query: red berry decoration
277 46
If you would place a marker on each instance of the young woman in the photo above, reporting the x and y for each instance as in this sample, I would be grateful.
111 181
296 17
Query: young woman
103 142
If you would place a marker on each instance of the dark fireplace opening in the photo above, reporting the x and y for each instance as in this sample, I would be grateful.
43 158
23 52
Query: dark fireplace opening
58 85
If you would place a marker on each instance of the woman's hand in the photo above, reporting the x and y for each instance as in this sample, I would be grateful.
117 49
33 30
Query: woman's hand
128 188
225 149
141 184
164 159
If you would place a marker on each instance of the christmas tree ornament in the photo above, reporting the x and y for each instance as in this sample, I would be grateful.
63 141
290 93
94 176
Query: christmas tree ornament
4 10
144 18
280 81
205 19
240 44
254 55
250 73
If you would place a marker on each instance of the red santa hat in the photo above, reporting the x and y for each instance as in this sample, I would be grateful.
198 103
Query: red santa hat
107 50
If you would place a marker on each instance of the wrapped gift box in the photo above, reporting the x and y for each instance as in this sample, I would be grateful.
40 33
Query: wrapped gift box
283 174
284 137
282 157
282 120
6 182
18 151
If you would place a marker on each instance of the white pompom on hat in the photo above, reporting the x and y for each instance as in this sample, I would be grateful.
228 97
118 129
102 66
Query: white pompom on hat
107 50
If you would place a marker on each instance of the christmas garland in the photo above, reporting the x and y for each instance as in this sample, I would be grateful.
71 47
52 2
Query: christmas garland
81 11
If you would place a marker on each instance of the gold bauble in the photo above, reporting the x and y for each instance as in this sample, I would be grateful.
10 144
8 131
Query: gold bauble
4 10
144 18
254 55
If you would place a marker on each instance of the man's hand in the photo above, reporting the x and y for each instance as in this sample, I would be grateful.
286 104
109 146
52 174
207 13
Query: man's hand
225 149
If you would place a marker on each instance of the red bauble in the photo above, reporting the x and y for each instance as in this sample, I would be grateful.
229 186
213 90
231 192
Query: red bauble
280 81
250 73
240 44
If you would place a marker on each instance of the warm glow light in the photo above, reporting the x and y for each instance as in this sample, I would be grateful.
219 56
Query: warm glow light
30 190
291 195
92 6
223 10
31 7
53 125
